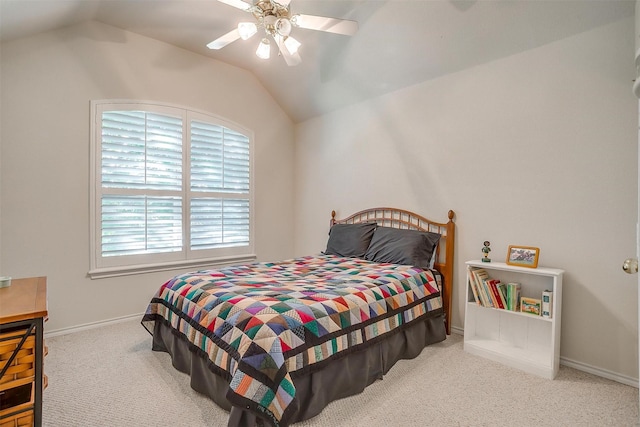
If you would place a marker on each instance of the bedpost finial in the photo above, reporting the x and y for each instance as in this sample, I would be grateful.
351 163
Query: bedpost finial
333 215
451 214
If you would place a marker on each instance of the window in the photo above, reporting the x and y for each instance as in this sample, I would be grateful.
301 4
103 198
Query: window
170 187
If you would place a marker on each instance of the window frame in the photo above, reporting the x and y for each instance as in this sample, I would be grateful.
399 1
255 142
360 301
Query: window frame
186 258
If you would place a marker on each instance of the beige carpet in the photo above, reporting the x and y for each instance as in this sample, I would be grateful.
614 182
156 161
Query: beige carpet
110 377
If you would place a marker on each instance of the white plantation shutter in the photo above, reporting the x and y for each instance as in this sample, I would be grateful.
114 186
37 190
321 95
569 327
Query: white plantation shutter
219 159
140 225
171 185
141 151
220 175
210 228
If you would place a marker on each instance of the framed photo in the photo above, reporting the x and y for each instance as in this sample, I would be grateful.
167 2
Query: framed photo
523 256
530 306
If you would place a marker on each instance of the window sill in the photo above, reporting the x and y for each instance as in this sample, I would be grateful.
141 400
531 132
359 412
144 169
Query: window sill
102 273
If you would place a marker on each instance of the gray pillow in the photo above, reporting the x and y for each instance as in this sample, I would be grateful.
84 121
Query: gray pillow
350 240
398 246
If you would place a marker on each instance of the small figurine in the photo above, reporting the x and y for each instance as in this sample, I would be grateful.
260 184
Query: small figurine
486 249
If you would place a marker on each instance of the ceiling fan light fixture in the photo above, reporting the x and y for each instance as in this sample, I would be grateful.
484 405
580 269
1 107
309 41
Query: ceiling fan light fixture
296 20
283 27
264 49
247 29
292 45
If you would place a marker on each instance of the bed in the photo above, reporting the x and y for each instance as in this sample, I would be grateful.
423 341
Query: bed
275 342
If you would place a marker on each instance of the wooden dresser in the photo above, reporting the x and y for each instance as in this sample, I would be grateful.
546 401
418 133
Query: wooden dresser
23 311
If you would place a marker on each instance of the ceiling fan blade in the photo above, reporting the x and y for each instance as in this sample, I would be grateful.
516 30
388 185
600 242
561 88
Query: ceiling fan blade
290 58
242 5
321 23
224 40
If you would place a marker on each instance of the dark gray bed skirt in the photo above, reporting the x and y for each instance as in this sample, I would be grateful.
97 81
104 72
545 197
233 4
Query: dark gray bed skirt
342 377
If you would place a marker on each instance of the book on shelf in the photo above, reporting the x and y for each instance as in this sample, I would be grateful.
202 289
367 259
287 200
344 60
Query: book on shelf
502 292
530 305
487 292
474 289
513 296
492 285
547 303
481 275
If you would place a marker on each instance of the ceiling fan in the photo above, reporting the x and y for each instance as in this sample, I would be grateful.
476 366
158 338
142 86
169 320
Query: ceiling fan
274 16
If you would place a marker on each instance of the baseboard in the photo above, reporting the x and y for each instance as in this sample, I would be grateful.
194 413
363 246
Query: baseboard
457 330
633 382
92 325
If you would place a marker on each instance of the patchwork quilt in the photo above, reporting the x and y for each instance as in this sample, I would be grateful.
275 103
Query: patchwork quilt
260 325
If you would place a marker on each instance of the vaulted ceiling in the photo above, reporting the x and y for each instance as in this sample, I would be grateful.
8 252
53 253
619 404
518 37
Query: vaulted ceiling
399 43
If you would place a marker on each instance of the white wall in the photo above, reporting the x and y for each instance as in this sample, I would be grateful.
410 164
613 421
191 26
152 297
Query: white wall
47 83
536 149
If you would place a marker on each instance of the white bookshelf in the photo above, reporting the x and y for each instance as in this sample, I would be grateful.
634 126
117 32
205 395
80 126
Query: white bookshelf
520 340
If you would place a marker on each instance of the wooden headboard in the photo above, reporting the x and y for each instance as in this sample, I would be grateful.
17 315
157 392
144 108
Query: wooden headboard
398 218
